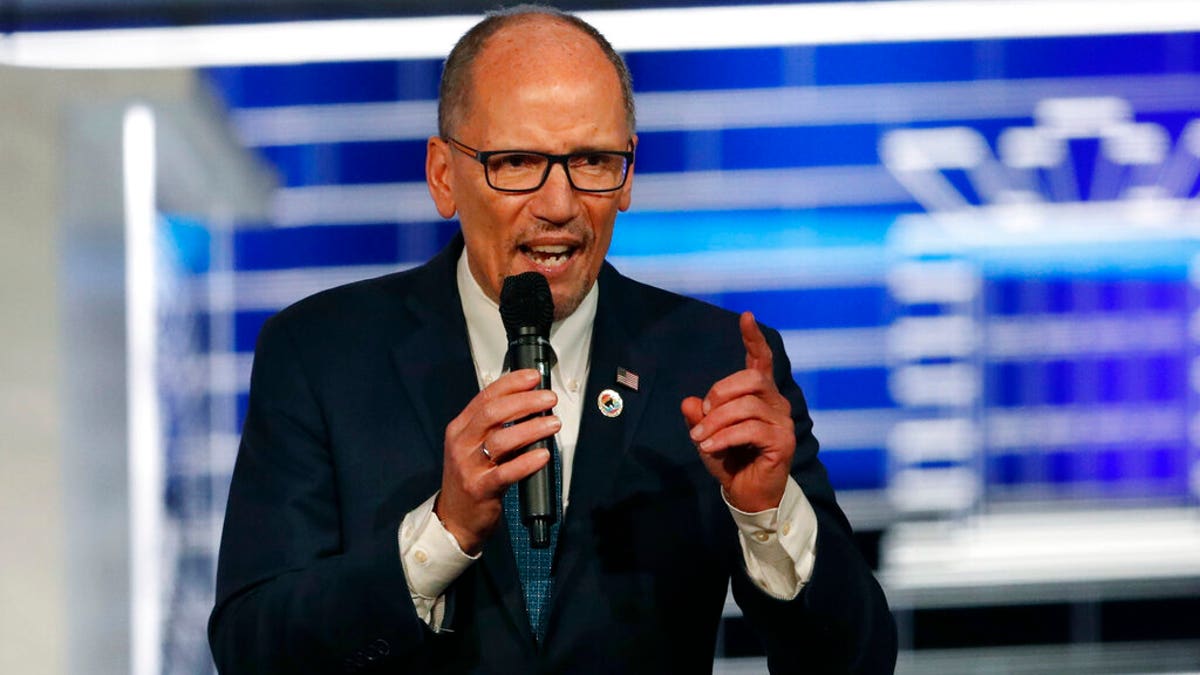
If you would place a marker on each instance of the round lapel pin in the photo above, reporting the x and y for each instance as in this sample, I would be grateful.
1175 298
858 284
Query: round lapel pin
610 403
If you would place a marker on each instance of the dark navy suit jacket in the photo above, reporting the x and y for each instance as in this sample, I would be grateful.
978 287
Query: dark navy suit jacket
350 395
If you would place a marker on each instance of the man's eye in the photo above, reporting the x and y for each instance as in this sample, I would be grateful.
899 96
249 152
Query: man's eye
516 161
590 159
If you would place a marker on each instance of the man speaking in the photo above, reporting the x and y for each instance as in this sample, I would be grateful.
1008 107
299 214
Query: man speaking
374 523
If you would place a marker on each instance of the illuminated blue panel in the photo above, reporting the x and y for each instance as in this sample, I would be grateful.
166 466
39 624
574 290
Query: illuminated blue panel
316 246
324 83
1099 55
1034 307
717 69
336 245
846 389
856 469
328 164
733 149
897 62
808 307
246 328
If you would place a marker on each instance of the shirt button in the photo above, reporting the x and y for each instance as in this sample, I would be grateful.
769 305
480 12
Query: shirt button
420 556
787 528
572 385
488 378
762 536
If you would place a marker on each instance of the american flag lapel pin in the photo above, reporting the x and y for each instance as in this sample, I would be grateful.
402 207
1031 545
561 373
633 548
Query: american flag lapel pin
627 378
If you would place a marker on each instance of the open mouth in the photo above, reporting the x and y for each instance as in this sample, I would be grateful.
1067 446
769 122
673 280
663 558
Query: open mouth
549 255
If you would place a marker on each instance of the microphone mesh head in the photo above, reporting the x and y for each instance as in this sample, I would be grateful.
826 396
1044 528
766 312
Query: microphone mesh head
525 301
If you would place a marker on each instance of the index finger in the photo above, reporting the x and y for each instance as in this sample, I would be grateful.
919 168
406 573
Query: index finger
758 352
510 383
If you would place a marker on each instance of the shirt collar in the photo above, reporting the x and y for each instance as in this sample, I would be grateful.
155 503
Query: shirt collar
571 338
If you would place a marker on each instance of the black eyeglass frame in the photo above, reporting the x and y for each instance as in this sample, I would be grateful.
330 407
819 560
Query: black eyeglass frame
482 156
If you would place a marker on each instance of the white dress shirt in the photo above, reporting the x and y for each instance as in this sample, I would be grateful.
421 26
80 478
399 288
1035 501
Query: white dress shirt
778 545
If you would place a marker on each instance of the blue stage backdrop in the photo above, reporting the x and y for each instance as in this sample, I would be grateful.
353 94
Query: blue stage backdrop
980 253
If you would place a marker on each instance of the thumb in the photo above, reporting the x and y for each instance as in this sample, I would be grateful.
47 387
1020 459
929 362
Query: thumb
693 411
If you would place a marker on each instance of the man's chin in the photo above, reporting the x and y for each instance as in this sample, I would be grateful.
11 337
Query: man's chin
566 307
565 304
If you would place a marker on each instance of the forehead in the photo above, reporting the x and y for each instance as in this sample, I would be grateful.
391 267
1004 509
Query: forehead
529 42
544 70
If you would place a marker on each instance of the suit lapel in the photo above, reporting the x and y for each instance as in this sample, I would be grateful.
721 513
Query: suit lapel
435 365
603 441
434 359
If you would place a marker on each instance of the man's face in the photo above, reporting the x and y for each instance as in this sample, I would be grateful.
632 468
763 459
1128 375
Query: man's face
537 85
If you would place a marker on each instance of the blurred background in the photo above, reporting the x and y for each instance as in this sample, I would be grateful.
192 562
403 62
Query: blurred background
973 221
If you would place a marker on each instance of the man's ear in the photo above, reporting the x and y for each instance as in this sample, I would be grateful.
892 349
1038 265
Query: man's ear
626 197
437 176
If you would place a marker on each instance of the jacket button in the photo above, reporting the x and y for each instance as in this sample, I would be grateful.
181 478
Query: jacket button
382 647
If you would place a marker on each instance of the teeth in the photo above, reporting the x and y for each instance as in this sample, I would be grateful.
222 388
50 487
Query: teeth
550 255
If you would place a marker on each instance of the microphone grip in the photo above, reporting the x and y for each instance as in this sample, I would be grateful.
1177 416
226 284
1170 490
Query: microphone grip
538 501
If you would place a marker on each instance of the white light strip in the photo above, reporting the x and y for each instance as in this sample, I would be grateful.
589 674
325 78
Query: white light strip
756 108
629 30
1069 548
790 188
145 458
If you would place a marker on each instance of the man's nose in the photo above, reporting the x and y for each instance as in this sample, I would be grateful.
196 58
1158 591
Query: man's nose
556 201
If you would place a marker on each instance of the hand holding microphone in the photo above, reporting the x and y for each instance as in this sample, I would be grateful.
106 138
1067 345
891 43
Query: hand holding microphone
527 309
512 420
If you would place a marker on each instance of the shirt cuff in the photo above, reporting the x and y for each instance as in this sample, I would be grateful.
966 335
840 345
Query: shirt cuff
779 545
432 560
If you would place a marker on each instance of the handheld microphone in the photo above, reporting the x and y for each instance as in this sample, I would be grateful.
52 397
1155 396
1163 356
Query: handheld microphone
527 309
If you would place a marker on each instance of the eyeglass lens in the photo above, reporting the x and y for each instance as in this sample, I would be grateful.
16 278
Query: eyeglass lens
527 171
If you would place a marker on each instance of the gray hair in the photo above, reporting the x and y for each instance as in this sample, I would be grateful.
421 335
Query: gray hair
456 74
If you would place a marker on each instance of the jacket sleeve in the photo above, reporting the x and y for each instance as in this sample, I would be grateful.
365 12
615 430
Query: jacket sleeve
290 598
840 622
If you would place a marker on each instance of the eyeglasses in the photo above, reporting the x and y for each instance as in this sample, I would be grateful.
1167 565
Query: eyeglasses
526 170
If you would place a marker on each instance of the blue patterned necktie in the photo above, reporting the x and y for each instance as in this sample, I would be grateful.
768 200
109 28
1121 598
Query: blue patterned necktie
533 564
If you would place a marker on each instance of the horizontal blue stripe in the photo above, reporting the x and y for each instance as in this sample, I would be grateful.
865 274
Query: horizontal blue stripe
856 469
335 245
1152 259
246 327
851 388
315 246
317 83
1160 471
912 61
768 148
1132 378
1014 296
644 233
1098 55
348 163
800 308
717 68
897 62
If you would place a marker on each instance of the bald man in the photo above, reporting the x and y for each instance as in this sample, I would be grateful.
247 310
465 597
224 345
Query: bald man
372 524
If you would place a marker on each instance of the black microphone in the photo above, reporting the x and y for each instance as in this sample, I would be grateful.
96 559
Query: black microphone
527 309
